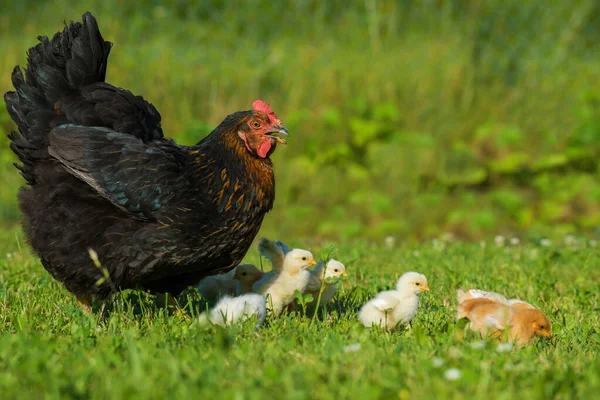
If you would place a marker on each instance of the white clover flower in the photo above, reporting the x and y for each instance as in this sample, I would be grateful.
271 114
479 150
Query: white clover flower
453 374
545 242
570 240
482 244
504 347
509 366
499 240
390 241
592 243
454 352
437 362
515 241
352 348
478 345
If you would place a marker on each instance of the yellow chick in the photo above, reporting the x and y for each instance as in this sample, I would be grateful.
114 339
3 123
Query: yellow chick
326 276
246 275
279 286
392 308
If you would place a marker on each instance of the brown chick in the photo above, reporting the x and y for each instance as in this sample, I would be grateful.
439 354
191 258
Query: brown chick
246 275
492 318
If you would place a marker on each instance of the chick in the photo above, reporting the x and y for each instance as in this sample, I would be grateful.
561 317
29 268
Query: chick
280 285
216 286
274 251
232 310
327 277
246 275
391 308
489 317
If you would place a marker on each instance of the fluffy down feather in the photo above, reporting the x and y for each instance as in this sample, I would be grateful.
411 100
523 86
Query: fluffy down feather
279 286
392 308
492 318
325 275
233 310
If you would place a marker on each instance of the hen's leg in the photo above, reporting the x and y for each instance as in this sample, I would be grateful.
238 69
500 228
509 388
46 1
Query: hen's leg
85 302
167 299
172 305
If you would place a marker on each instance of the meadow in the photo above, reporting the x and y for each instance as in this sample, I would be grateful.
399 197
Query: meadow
407 118
420 130
138 349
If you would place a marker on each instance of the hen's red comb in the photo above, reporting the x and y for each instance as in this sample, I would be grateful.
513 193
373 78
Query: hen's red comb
261 106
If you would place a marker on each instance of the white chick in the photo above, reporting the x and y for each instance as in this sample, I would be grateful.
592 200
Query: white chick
216 286
246 275
232 310
280 286
326 276
391 308
274 251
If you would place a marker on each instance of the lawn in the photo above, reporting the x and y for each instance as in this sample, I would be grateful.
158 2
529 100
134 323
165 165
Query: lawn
137 349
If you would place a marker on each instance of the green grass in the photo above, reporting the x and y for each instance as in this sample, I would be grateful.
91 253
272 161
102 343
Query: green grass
49 348
396 108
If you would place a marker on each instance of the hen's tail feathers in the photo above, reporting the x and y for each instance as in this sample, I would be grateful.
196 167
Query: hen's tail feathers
56 69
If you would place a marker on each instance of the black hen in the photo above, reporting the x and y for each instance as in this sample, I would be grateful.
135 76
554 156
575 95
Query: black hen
101 176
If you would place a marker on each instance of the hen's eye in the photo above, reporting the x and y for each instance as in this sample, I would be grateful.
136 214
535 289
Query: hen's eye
255 124
303 258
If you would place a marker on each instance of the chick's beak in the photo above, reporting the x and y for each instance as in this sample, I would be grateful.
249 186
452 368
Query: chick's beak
546 334
344 273
312 262
425 288
281 130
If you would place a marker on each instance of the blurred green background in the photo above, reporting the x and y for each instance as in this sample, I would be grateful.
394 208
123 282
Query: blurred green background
408 118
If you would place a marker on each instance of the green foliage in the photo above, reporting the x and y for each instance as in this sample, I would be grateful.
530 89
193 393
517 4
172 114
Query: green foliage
408 118
137 349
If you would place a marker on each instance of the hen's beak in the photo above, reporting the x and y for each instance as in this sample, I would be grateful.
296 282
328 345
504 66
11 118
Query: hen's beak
279 129
425 288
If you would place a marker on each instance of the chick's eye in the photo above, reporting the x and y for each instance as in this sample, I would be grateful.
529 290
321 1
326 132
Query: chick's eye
244 273
255 124
335 270
418 284
303 258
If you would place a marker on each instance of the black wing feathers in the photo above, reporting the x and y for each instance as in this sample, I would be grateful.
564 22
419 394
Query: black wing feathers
135 177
